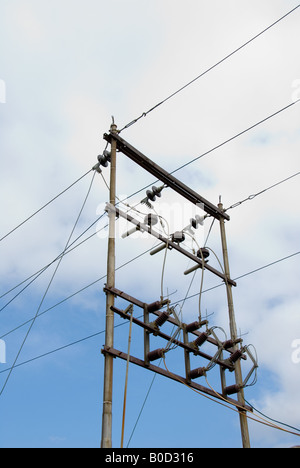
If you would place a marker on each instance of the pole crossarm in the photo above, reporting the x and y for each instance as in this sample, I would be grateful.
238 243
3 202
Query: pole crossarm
179 343
119 354
144 227
161 174
156 311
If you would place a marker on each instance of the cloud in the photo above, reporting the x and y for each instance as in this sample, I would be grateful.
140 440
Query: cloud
67 73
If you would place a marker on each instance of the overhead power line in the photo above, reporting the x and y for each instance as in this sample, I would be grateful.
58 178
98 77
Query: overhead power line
220 145
131 261
251 197
44 206
241 276
237 135
48 287
68 250
144 114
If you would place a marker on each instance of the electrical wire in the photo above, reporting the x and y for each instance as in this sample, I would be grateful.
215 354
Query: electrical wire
229 404
242 276
172 304
237 135
220 145
271 419
47 289
263 420
78 292
36 275
144 114
251 197
65 252
181 167
44 206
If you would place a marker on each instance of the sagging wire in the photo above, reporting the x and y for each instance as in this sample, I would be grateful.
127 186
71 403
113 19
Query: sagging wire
37 274
144 114
241 408
229 404
44 206
47 289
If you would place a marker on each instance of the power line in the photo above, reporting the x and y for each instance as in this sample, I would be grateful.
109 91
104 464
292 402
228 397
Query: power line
172 304
173 172
241 276
42 270
271 419
44 206
77 292
144 114
48 287
220 145
251 197
236 136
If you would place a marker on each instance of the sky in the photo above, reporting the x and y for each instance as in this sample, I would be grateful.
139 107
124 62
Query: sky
66 68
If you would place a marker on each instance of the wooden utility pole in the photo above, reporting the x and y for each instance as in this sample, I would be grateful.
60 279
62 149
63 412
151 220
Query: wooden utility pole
234 337
153 329
106 441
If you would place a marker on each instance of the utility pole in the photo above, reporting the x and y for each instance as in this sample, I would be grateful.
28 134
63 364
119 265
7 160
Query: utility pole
233 332
196 334
106 441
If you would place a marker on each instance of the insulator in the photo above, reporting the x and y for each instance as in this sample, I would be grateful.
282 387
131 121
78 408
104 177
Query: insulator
154 306
228 344
235 356
178 237
151 219
162 319
192 326
156 354
195 373
196 221
105 158
203 253
232 389
156 192
193 223
201 339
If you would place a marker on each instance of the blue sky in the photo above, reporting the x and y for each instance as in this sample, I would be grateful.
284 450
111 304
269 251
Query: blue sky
67 68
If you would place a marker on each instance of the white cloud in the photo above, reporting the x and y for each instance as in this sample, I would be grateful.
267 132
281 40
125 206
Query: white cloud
71 72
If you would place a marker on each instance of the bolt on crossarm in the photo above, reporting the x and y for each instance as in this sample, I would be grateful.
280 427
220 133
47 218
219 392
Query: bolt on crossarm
106 440
233 332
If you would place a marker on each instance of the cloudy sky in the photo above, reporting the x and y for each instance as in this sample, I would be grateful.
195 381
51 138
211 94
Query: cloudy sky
66 68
